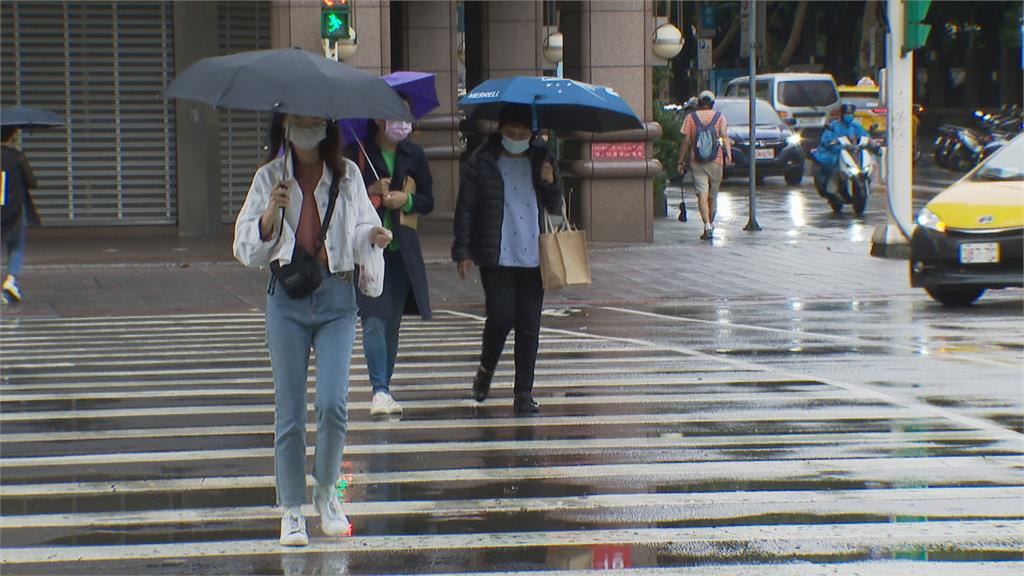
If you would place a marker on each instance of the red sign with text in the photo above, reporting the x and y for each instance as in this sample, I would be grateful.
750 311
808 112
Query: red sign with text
617 151
611 556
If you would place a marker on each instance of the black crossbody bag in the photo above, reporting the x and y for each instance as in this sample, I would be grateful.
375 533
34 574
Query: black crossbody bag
302 276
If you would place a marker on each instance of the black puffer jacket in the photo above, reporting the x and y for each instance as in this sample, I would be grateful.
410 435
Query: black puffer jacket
481 205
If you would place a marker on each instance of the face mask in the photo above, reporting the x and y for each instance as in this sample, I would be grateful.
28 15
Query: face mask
307 138
515 146
848 118
397 131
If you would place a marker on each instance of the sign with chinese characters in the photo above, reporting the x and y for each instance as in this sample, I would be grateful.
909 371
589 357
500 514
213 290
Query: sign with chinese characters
618 151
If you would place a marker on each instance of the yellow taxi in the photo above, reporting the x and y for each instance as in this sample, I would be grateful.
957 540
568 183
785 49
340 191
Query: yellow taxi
870 113
970 238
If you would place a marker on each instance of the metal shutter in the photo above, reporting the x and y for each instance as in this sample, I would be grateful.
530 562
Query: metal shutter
242 26
103 66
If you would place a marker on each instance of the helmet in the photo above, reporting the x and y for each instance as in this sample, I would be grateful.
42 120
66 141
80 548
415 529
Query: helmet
848 108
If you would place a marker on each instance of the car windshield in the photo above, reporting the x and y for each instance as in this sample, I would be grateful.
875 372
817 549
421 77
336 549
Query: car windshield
737 112
812 93
1004 164
742 89
862 101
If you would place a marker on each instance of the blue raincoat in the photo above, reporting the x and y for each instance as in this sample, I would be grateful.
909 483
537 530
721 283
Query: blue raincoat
827 153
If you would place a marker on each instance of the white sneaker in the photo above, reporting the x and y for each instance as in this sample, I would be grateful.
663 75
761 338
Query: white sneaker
11 290
332 519
384 404
293 529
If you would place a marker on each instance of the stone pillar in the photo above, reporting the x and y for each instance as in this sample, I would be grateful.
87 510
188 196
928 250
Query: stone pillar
198 126
609 43
372 21
295 23
430 46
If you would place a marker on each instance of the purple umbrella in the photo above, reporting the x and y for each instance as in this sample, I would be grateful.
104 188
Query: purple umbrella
418 88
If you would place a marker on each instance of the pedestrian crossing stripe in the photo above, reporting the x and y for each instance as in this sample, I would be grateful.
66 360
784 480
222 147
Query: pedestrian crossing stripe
988 469
776 541
952 501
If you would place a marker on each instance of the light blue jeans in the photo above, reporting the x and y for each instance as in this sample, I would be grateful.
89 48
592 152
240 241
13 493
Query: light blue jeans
325 322
14 244
380 334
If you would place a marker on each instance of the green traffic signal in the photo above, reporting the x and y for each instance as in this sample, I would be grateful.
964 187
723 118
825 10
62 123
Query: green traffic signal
334 23
915 32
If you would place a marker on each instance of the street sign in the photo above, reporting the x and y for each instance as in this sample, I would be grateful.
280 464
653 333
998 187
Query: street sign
704 53
617 151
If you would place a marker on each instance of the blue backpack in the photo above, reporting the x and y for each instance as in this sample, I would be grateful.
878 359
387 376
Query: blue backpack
706 142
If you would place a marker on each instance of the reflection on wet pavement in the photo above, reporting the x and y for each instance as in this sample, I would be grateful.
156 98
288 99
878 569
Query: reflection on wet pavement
714 439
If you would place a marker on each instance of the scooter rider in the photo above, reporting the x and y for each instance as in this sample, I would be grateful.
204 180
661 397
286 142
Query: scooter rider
826 155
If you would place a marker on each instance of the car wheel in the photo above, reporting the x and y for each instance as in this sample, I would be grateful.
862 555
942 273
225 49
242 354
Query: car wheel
836 207
795 176
860 198
759 179
954 296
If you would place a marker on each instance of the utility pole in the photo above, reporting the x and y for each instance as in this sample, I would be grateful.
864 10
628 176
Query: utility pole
752 224
892 239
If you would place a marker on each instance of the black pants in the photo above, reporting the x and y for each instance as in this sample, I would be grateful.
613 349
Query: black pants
514 298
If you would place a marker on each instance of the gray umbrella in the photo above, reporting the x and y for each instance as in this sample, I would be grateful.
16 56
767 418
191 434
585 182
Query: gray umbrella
26 117
290 80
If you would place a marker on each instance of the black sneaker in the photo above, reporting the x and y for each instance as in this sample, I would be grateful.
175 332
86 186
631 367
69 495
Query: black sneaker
482 384
525 406
705 235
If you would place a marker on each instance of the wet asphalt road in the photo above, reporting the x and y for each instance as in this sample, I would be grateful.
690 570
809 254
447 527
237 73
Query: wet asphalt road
796 432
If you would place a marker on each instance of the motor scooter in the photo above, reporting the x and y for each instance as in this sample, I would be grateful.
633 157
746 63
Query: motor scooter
851 181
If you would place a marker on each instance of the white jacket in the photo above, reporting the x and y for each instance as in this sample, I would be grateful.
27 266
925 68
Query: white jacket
348 235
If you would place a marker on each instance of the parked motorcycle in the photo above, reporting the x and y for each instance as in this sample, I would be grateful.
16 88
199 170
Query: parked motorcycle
851 181
961 148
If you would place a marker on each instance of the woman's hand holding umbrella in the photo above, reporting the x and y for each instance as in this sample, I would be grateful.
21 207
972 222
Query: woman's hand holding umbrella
271 217
547 173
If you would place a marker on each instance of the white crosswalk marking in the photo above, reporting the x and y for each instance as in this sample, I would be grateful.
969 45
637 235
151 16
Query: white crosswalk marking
144 444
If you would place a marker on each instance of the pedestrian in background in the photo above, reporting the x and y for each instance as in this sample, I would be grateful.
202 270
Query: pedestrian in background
706 144
18 210
397 177
282 210
505 185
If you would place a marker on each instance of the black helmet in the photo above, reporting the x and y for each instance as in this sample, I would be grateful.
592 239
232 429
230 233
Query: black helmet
848 108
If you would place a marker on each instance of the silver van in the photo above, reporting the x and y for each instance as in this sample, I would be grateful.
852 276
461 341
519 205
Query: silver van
808 102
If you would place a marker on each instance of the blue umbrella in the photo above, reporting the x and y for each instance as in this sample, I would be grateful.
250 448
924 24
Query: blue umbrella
558 103
288 80
26 117
419 90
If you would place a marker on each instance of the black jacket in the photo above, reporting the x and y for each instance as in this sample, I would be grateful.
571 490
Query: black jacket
18 180
481 205
411 161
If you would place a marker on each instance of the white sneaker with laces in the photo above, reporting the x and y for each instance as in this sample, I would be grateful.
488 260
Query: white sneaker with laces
332 519
384 404
293 529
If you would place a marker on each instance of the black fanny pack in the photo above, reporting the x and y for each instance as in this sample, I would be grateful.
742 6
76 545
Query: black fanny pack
302 276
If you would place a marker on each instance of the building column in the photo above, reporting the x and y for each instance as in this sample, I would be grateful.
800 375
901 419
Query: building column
429 45
609 43
198 126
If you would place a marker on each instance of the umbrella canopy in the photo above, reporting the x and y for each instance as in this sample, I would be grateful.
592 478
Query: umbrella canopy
558 103
290 80
26 117
418 88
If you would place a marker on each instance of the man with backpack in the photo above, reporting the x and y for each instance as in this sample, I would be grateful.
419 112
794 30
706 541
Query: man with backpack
706 143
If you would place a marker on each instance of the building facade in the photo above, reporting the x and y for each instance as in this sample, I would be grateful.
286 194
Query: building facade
128 156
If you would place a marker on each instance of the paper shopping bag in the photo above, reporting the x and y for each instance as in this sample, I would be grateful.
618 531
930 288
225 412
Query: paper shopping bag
563 255
412 219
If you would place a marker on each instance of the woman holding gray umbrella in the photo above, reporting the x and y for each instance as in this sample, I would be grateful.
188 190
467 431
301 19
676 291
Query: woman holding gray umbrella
308 208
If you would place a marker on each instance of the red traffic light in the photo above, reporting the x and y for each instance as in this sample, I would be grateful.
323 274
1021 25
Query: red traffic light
333 3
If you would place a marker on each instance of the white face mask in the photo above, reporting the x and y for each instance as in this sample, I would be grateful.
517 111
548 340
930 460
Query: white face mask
307 138
515 146
397 131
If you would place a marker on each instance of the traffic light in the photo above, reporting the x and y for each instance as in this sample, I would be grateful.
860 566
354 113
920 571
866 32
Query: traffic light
915 33
335 19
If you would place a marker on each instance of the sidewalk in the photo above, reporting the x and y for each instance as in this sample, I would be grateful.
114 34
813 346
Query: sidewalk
803 251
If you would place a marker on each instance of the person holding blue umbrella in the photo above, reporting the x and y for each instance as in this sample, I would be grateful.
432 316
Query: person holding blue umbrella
398 179
505 185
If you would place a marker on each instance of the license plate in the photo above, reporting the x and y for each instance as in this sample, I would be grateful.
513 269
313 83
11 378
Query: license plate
764 154
979 253
810 121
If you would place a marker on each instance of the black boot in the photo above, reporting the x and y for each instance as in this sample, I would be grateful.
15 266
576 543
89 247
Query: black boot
482 384
525 405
